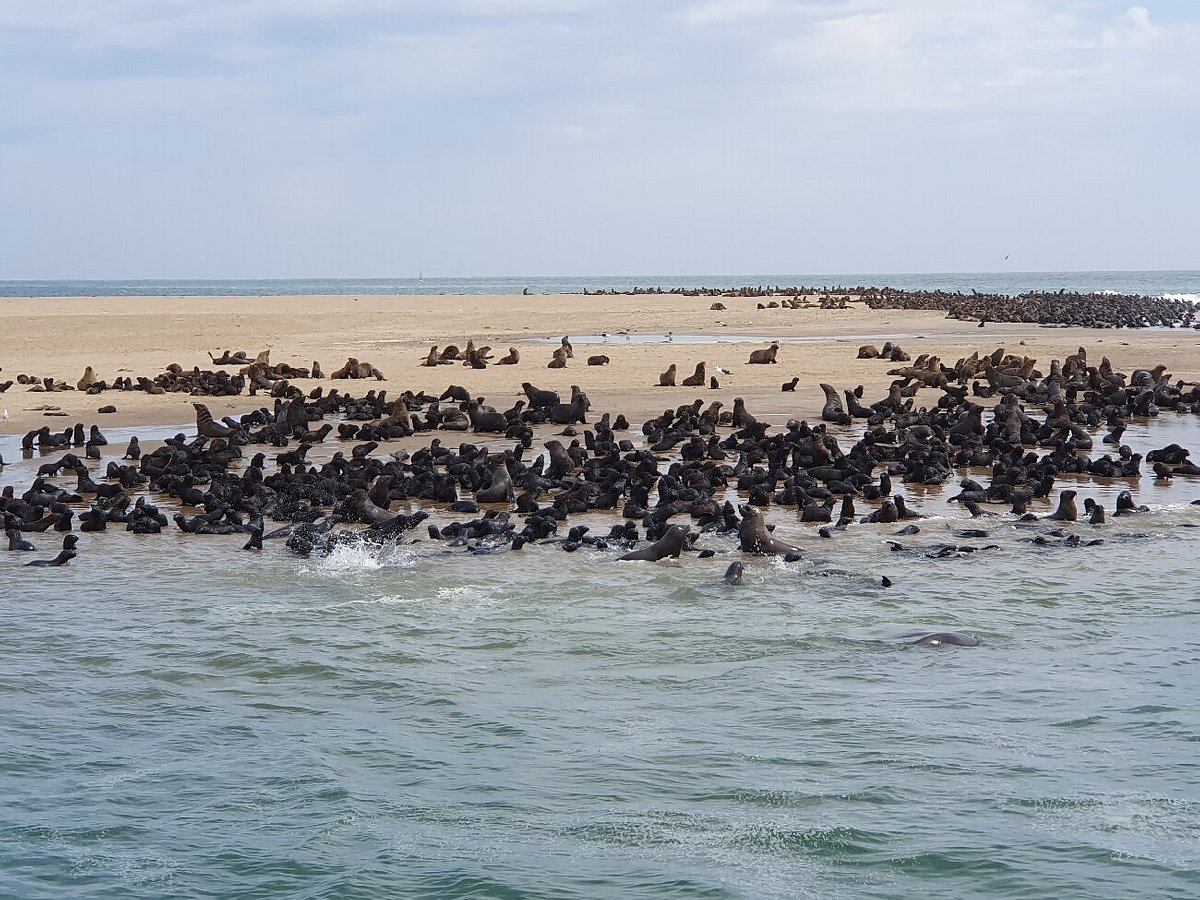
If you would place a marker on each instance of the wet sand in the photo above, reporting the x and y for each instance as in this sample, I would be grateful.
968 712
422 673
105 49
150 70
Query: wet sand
140 336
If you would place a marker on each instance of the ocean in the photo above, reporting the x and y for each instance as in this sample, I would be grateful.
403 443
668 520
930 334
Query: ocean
1185 284
183 719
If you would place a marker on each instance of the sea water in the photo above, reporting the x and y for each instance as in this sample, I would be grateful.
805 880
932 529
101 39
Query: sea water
1178 284
179 718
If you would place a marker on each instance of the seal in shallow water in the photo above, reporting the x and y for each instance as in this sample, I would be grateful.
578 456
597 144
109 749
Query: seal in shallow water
670 544
937 639
1067 510
754 537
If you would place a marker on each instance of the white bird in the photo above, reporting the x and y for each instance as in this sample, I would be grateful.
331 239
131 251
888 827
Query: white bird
723 371
6 415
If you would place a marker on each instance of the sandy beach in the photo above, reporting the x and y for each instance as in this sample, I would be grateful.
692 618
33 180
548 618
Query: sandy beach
140 336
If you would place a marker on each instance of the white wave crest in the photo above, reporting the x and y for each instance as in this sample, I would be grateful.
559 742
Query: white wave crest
1190 298
365 557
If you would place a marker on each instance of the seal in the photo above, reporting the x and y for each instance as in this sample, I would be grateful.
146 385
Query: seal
733 575
696 379
937 639
667 378
670 544
764 356
501 488
754 537
790 385
511 359
68 553
1067 510
206 426
16 542
539 398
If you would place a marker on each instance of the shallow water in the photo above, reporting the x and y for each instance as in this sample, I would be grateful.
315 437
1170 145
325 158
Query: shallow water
180 718
672 338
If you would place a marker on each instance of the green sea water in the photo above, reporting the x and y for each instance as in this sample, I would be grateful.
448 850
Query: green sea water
180 718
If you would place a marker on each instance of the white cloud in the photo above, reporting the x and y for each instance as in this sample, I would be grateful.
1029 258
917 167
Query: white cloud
592 134
1134 29
727 12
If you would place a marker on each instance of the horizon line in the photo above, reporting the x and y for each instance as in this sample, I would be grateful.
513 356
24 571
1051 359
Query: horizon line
561 277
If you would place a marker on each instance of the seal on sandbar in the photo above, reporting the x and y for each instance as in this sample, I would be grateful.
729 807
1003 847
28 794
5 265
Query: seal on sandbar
207 426
764 356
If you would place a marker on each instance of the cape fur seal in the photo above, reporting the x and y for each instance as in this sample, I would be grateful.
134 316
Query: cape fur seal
208 427
696 379
670 544
937 639
754 537
764 356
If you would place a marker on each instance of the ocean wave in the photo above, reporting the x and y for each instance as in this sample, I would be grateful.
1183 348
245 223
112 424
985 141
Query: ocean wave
1190 298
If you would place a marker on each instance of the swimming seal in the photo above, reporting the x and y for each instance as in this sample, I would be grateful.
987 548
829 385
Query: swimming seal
937 639
670 544
68 553
754 537
733 575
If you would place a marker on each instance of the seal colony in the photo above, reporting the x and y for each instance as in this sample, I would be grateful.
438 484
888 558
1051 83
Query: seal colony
1061 308
723 472
318 466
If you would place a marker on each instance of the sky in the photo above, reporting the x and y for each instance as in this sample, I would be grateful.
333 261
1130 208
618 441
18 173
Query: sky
387 138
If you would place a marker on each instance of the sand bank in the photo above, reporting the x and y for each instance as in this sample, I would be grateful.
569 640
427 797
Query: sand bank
135 336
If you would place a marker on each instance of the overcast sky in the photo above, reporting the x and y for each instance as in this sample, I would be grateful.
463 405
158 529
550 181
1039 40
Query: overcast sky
301 138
